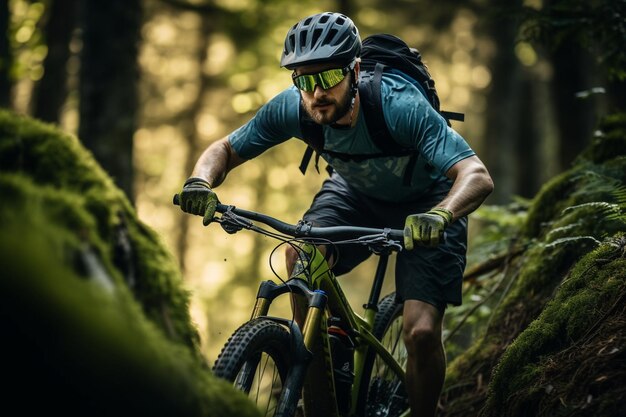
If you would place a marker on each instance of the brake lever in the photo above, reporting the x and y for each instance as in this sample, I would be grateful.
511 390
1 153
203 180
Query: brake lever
380 243
232 223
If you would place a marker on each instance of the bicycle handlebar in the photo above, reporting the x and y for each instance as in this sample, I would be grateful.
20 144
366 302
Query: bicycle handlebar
306 230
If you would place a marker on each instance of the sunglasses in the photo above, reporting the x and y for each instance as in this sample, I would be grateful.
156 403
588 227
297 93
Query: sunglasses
325 79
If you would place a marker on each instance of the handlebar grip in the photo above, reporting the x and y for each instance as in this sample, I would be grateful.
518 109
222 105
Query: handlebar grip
220 207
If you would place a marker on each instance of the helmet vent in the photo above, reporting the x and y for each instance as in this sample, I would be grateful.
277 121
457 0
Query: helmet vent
303 36
292 41
321 38
329 37
316 35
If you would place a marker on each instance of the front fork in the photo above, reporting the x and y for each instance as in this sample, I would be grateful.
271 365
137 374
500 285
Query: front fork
310 339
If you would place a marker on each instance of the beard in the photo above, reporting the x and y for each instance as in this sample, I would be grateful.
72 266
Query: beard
327 111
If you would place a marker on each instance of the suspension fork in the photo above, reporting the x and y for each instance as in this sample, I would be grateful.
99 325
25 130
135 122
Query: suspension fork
304 341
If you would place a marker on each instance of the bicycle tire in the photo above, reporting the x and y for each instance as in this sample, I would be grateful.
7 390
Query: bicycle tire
256 359
382 393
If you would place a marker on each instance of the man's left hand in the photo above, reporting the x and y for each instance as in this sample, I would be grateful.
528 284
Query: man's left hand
426 229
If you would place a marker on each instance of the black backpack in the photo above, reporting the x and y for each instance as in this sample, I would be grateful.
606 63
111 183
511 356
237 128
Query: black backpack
379 52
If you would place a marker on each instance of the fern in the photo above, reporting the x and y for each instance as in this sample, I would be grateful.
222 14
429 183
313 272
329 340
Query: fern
599 207
573 239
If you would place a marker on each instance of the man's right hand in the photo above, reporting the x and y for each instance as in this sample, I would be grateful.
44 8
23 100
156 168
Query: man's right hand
198 198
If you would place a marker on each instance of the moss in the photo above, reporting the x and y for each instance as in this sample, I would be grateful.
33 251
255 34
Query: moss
79 348
595 285
50 158
558 296
596 172
95 309
610 141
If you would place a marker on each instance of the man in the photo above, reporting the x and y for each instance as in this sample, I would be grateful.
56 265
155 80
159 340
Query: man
448 182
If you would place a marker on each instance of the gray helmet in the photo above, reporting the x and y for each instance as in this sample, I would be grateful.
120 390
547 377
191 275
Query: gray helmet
323 37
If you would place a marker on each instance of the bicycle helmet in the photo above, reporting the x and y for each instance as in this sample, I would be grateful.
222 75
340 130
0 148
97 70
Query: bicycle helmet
323 37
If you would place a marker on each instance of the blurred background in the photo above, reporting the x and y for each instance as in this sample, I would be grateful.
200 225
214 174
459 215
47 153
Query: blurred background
147 85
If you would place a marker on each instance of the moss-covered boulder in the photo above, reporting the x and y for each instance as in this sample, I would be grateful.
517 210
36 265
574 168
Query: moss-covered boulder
97 316
555 343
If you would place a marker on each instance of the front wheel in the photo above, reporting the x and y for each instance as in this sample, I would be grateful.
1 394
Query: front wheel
256 359
382 392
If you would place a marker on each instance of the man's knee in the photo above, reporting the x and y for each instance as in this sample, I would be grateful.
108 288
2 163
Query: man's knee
290 254
421 339
422 328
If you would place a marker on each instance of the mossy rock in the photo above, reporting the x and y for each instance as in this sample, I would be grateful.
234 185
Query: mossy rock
97 316
568 284
570 360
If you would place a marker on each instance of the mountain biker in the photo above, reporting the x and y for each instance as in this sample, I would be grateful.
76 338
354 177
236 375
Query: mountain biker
448 183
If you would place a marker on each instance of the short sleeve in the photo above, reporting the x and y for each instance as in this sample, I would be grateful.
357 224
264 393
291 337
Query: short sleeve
274 123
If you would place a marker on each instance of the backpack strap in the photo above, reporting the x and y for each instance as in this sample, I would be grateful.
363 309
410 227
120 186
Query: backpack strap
371 103
313 135
450 115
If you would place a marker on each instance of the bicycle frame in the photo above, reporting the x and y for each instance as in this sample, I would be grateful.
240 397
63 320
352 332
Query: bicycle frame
318 292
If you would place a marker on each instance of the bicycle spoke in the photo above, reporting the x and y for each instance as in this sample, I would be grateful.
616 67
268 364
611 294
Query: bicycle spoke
258 366
384 393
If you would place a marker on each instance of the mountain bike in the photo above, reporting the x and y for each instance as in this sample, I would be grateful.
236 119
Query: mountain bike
331 361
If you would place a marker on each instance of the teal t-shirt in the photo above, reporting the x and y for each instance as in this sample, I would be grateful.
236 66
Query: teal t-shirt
411 120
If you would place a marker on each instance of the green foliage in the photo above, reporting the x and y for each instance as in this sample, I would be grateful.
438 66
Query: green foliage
94 305
498 233
79 344
567 283
599 26
26 39
598 176
55 161
592 289
498 228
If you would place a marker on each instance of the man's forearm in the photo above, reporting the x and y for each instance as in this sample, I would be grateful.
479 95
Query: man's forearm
472 185
216 162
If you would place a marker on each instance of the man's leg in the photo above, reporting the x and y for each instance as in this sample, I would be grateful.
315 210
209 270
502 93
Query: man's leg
426 365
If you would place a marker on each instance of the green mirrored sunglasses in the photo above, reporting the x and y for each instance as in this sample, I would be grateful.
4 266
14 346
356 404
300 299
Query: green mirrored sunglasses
325 79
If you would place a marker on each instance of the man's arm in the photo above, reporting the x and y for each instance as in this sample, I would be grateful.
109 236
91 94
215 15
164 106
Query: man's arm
472 185
216 162
197 196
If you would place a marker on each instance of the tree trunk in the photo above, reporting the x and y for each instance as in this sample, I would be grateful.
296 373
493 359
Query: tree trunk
503 112
5 56
108 84
189 128
51 92
576 117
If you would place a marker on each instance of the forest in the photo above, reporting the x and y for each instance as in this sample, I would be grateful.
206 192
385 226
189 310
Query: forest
105 106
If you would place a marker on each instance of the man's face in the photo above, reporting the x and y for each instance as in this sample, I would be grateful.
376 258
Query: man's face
326 106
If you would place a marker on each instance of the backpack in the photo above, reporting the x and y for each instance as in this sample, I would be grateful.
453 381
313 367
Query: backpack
379 53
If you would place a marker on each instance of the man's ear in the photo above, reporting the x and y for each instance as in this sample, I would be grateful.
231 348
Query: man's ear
355 73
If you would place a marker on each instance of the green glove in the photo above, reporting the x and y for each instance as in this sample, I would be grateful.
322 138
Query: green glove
198 198
426 229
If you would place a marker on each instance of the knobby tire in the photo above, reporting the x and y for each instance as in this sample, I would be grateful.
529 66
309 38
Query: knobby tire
256 359
382 393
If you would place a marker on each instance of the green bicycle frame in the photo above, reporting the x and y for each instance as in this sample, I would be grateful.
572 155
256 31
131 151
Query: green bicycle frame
312 272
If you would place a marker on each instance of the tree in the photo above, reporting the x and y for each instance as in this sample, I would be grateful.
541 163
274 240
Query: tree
585 42
5 56
108 84
51 92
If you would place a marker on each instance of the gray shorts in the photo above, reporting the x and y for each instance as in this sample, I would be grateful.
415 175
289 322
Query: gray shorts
432 275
